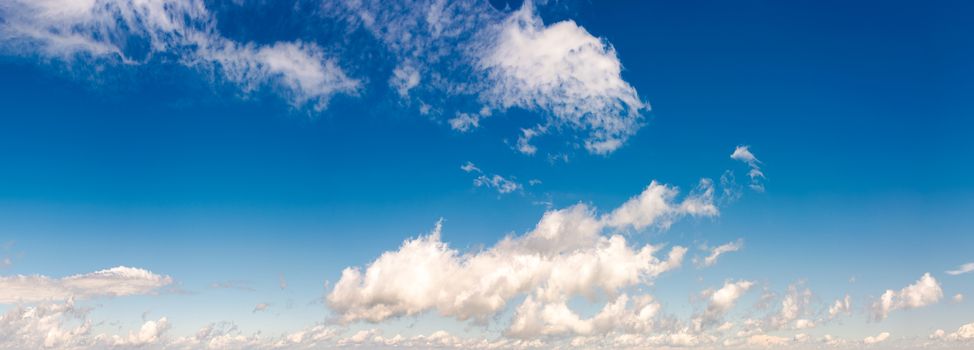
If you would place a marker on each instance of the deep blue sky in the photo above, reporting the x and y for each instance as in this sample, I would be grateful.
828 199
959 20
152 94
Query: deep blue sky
860 113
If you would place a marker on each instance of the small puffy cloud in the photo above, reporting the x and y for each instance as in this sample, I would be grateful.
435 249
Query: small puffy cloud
260 307
966 268
767 341
404 78
717 251
570 252
116 281
624 314
137 32
743 153
149 333
925 291
879 338
958 298
719 302
841 306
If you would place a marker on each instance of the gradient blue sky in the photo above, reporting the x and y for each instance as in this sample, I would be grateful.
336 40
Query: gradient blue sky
859 113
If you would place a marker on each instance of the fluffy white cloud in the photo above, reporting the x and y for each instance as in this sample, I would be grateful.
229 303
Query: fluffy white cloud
717 251
139 31
568 253
958 298
743 153
116 281
624 314
565 70
968 267
149 333
879 338
925 291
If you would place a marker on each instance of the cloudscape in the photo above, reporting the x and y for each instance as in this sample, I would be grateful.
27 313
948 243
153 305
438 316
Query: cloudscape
318 174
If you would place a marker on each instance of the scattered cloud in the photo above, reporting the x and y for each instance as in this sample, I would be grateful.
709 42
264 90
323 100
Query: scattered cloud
116 281
719 302
238 285
926 291
501 184
260 307
965 334
717 251
966 268
743 153
958 298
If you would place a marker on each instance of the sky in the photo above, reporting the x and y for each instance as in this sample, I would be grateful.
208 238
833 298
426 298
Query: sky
317 174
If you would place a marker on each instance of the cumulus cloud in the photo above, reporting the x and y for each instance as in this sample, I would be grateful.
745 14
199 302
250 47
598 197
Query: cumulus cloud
743 153
793 307
879 338
717 251
925 291
132 32
570 252
968 267
116 281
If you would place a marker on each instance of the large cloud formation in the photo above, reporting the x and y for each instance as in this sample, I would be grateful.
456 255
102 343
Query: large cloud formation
571 251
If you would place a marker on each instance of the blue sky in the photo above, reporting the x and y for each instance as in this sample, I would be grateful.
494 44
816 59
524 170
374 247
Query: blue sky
238 156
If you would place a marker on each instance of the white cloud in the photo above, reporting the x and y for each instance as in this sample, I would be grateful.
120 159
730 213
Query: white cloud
964 333
67 326
793 307
116 281
719 302
260 307
624 314
464 122
879 338
566 71
566 254
711 259
404 78
149 333
114 31
743 153
958 298
968 267
501 184
841 306
925 291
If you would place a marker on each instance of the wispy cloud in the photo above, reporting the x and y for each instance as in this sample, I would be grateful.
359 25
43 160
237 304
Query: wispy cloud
743 153
503 185
116 281
965 268
717 251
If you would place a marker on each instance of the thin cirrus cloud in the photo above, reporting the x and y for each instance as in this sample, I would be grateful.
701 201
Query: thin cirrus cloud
448 56
965 268
116 281
717 251
185 30
501 184
544 265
